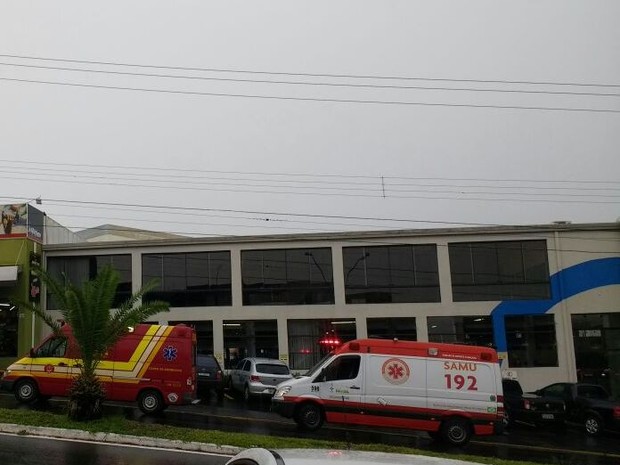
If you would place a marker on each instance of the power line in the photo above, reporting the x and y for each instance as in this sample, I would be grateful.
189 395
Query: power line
317 84
319 175
459 196
315 99
254 212
387 191
328 75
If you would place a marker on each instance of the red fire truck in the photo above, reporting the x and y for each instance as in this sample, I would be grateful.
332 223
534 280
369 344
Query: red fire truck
154 365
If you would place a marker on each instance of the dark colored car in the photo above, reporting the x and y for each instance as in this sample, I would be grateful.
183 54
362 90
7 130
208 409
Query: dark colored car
210 376
587 404
530 408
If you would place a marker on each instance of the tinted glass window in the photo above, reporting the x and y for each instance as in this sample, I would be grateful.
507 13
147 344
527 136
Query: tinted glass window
592 392
390 328
79 270
189 279
398 273
512 387
287 277
207 362
472 330
596 337
346 367
54 347
9 317
272 369
508 270
555 390
304 339
531 341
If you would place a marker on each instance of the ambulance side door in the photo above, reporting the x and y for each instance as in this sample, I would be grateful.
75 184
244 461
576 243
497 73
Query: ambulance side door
394 381
51 367
340 387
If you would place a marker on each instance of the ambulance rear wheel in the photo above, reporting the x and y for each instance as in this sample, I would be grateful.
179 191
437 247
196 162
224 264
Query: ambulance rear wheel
309 417
150 402
26 391
456 431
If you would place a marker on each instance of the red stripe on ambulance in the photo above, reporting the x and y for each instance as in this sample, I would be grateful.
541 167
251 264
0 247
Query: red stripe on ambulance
450 389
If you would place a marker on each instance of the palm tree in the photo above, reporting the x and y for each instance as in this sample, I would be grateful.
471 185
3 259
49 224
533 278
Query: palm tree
96 328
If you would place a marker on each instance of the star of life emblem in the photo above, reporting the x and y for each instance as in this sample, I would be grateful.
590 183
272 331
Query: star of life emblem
170 353
395 371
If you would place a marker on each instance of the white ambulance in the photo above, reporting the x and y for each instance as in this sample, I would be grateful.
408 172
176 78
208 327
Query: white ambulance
451 391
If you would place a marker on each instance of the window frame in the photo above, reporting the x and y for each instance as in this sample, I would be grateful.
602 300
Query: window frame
290 276
196 284
499 270
372 274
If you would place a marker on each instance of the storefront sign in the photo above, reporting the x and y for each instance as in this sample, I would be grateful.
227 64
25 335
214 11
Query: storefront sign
21 220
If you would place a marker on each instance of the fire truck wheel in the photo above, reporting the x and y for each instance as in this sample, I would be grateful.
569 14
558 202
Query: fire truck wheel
456 431
309 417
150 402
26 391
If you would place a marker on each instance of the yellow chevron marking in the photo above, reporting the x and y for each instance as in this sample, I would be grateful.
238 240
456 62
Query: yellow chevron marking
136 356
139 361
156 350
127 372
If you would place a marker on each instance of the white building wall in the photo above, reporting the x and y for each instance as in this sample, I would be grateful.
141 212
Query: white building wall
566 247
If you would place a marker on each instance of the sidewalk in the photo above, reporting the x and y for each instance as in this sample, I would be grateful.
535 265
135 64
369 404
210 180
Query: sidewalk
114 438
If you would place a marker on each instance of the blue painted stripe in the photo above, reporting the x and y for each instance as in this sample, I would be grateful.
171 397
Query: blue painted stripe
564 284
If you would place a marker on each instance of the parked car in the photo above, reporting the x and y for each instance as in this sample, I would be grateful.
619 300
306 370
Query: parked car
530 408
259 456
587 404
258 376
210 377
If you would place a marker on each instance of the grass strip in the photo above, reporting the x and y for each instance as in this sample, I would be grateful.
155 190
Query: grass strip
120 425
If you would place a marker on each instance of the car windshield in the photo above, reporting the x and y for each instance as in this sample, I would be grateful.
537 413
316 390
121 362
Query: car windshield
512 387
207 362
272 369
316 367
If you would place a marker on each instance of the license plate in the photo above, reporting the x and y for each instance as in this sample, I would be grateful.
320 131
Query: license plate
548 416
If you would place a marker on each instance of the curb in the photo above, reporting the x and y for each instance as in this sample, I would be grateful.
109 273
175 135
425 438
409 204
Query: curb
114 438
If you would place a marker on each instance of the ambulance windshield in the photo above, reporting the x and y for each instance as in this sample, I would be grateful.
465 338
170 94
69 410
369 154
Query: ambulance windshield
312 371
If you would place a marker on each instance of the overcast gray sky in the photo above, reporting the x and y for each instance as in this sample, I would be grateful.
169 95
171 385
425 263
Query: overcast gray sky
408 112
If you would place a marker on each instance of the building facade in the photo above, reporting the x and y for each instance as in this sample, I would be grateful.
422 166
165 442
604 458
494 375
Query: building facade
21 238
547 297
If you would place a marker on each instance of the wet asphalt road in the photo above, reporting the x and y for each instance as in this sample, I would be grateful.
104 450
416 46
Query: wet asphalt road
24 450
569 447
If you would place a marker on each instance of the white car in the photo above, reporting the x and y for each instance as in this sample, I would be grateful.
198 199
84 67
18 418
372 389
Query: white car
258 376
258 456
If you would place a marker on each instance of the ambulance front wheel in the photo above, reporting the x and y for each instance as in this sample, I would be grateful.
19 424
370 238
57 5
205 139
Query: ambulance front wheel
456 431
151 402
26 391
309 417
